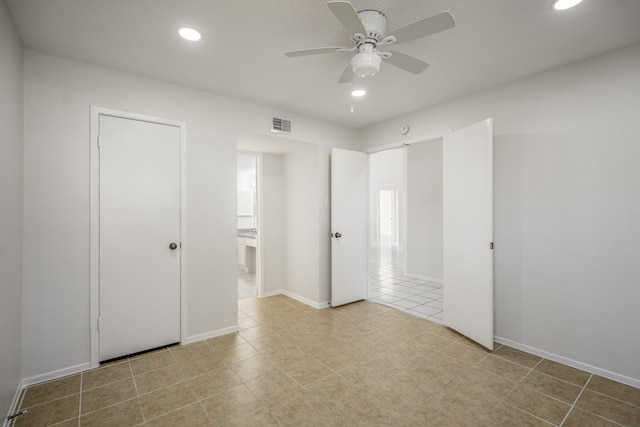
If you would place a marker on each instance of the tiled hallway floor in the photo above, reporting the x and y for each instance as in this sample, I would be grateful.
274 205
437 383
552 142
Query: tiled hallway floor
389 286
363 364
246 285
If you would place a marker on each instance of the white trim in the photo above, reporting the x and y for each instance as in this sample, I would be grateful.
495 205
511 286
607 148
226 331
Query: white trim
94 259
307 301
570 362
15 403
212 334
273 293
58 373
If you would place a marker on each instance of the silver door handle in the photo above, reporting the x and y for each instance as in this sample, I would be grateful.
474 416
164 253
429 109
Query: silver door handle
172 246
338 235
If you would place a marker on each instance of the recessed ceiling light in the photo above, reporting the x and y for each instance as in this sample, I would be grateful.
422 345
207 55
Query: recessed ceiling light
358 92
190 34
565 4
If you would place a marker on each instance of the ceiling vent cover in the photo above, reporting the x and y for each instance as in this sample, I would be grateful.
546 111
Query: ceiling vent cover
279 125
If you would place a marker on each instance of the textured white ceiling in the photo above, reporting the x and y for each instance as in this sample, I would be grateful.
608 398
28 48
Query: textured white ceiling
241 54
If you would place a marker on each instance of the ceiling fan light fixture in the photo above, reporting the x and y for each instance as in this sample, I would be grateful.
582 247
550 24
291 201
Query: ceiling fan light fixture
565 4
365 64
190 34
358 92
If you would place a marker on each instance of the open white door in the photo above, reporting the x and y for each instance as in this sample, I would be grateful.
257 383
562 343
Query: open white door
348 226
468 231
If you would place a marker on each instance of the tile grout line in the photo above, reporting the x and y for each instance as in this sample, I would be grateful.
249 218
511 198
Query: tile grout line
80 399
584 387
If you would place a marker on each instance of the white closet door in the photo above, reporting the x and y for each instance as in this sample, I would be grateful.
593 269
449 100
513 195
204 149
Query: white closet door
468 231
348 226
139 278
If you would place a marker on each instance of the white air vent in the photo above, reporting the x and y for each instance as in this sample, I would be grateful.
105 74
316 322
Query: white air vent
279 125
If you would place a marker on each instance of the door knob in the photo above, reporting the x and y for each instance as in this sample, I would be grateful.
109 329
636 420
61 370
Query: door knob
173 246
338 235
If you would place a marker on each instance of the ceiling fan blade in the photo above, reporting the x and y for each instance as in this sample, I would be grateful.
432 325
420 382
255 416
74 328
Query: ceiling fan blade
407 63
347 75
426 27
347 15
315 51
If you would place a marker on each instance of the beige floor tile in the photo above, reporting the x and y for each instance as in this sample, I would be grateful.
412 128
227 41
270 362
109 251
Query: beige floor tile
504 368
504 415
247 322
105 375
476 391
399 395
614 389
151 361
464 353
191 415
551 386
365 410
272 386
231 404
334 390
107 395
51 390
579 418
611 409
517 356
190 352
307 371
165 400
160 378
297 409
236 353
201 365
537 404
123 414
51 412
259 418
436 412
256 332
224 341
213 382
253 368
563 372
445 332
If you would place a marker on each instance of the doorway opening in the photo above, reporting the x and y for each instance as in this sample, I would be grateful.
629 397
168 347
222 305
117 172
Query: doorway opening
405 195
247 226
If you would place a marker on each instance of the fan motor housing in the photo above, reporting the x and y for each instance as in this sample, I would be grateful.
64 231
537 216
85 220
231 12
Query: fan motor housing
375 23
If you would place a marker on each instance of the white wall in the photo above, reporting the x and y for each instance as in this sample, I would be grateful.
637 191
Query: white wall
11 192
567 205
58 93
424 209
301 219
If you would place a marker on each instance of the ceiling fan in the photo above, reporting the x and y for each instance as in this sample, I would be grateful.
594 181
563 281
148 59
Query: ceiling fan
367 29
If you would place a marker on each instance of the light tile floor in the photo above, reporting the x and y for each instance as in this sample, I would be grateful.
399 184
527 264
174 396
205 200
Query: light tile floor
389 286
362 364
246 285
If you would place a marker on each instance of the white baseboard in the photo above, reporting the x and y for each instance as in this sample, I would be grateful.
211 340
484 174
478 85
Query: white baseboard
570 362
47 376
292 295
211 334
13 408
307 301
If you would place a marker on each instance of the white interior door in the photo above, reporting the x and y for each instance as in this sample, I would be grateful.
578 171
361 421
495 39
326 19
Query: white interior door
348 226
468 231
139 220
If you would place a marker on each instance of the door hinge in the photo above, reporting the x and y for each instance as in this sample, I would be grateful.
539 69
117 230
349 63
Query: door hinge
98 141
98 323
491 245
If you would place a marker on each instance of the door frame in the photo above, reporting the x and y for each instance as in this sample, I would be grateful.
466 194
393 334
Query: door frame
395 232
94 222
258 209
